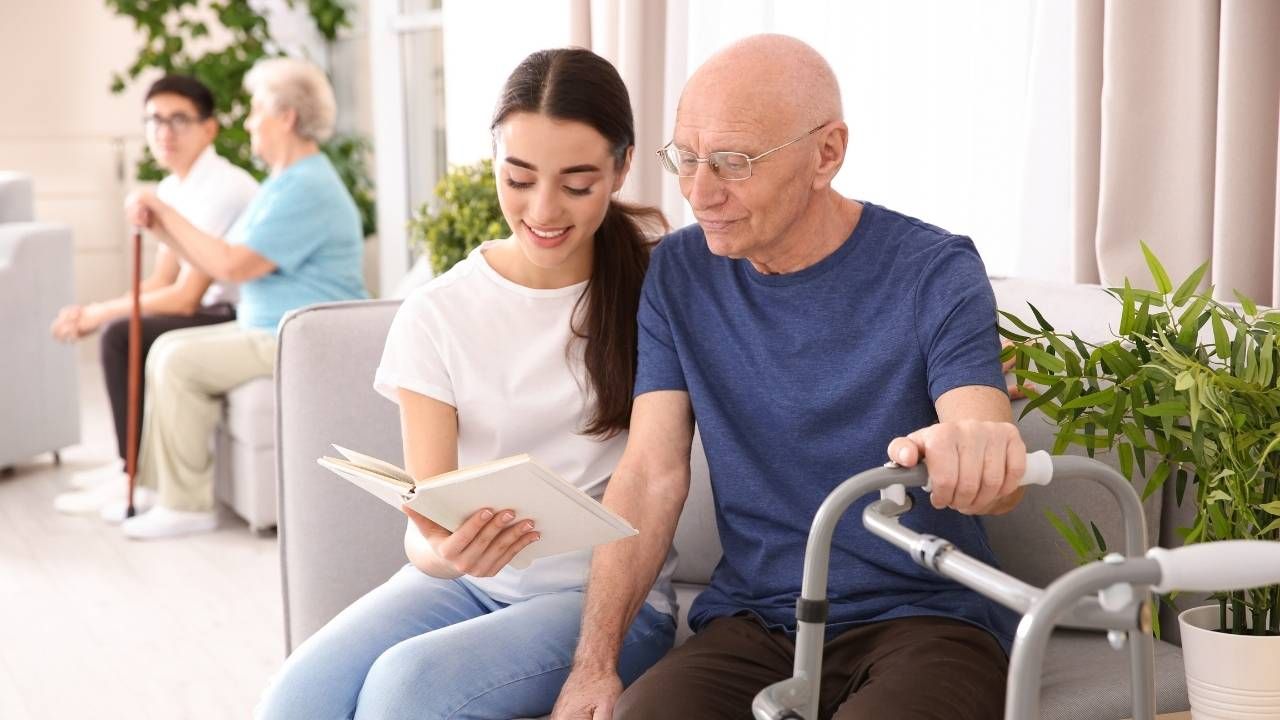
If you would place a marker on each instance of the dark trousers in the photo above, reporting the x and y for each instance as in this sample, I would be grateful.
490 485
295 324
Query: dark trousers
115 358
918 668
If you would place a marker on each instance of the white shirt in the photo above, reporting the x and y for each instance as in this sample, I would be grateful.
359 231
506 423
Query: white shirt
210 197
495 350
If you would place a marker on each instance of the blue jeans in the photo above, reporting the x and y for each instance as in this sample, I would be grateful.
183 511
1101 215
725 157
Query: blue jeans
421 647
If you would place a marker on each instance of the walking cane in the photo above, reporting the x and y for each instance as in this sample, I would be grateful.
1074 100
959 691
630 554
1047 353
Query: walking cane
135 372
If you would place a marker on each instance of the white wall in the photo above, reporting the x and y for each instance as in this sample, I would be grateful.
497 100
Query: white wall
484 40
61 124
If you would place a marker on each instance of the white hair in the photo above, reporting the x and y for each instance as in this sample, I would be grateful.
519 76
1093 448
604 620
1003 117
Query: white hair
285 84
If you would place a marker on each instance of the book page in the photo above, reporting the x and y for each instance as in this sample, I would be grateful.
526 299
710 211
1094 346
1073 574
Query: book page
567 519
372 463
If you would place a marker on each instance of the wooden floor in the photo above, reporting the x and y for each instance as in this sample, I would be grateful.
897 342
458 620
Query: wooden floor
96 626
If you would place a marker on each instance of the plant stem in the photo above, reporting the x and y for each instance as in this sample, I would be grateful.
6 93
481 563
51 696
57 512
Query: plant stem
1237 615
1222 614
1274 625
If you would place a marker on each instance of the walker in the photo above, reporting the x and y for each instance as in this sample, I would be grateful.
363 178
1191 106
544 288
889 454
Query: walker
1113 594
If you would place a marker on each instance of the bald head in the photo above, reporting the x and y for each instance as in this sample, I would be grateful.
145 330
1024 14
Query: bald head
773 77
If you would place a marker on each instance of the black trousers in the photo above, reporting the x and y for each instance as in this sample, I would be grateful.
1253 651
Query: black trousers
115 358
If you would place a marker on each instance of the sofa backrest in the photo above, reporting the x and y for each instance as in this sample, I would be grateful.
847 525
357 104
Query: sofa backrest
16 198
337 542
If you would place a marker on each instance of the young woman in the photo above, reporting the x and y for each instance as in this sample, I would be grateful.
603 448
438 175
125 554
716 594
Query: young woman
527 345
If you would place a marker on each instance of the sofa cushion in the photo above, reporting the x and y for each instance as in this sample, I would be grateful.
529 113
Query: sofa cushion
1084 679
250 413
697 540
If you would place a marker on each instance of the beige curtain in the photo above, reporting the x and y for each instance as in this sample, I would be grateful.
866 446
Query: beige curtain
632 35
1177 115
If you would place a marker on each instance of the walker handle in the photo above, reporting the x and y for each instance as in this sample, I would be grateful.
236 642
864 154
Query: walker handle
1215 566
1039 470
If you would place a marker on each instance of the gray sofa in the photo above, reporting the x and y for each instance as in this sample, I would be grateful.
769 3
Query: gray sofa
38 387
336 542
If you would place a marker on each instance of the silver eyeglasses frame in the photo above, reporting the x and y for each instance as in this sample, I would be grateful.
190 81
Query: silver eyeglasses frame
716 160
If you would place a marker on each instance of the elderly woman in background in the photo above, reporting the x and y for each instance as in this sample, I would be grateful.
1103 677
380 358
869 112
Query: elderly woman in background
298 242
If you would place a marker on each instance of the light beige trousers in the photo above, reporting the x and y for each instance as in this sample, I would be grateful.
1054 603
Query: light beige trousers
188 372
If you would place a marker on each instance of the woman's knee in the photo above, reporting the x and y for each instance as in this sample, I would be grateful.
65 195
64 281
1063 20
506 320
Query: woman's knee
402 684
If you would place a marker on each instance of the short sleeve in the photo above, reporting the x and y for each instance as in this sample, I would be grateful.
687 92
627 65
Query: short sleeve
289 226
658 365
955 312
412 359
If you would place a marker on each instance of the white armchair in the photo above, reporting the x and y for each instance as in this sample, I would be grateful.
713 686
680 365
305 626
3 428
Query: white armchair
16 201
39 407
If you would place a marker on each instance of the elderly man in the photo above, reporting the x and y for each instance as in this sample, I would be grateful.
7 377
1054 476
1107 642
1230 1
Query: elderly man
807 332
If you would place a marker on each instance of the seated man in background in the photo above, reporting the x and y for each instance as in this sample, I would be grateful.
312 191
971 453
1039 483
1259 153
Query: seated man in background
808 333
299 242
211 192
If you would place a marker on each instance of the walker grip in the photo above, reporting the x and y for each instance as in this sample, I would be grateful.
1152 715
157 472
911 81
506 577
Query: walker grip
1216 566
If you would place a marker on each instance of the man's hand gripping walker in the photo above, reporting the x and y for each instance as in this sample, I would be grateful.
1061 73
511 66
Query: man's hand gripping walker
1112 595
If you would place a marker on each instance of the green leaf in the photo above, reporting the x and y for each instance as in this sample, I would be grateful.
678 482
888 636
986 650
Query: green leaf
1044 324
1157 271
1250 307
1125 451
1102 397
1127 308
1164 409
1078 545
1272 508
1044 359
1156 480
1184 380
1011 335
1221 343
1189 285
1039 400
1190 320
1018 323
1097 535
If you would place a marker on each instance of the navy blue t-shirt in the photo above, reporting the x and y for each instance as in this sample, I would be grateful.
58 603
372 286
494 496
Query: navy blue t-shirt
800 380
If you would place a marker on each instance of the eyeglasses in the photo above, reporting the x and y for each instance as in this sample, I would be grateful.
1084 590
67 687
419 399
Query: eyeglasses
178 123
726 165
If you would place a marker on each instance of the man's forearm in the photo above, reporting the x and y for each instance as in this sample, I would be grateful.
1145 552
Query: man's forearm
623 572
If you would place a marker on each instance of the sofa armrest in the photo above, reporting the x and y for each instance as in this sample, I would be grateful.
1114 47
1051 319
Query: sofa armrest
336 541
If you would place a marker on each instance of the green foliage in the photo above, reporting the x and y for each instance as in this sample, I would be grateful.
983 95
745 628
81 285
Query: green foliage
464 215
175 40
1203 413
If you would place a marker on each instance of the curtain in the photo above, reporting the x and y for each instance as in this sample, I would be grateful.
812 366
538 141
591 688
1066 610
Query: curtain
1177 113
632 34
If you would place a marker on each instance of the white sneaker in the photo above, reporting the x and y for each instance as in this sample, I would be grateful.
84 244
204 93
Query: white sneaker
113 510
161 522
89 502
90 479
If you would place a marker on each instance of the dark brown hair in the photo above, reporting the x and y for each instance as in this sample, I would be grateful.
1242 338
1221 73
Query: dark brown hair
578 85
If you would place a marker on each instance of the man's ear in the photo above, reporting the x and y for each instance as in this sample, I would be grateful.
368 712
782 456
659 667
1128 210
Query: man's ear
833 143
209 128
624 169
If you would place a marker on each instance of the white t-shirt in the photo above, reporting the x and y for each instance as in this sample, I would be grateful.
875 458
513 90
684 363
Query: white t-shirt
495 350
210 197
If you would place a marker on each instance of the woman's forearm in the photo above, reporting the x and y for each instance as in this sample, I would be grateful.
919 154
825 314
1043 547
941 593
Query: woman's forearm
421 556
211 255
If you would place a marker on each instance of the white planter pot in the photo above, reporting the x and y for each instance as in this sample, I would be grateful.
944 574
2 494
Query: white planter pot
1229 677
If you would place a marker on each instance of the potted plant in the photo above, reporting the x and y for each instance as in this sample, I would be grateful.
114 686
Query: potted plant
464 214
1186 392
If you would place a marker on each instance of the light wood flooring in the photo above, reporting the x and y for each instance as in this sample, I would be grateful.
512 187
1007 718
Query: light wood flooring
96 626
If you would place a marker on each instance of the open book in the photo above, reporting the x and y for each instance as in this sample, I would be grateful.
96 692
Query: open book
568 518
